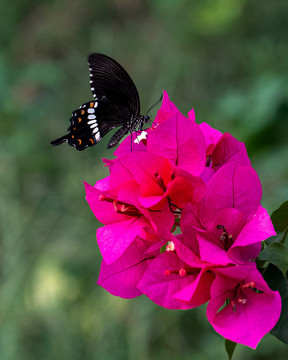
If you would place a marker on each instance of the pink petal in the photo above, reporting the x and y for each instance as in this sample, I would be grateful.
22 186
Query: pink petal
121 278
103 210
114 239
166 110
207 174
242 254
102 184
191 115
161 288
211 251
248 322
232 219
189 223
128 145
144 166
211 137
229 149
186 253
182 190
233 186
161 220
119 172
128 192
153 202
181 141
198 292
258 228
190 217
123 283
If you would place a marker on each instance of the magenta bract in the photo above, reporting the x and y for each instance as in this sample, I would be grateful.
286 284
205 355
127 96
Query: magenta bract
242 307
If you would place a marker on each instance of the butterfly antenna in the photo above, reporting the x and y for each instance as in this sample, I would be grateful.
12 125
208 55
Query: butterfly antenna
151 121
156 103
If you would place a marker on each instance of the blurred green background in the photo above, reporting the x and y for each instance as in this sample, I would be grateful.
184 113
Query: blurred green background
226 58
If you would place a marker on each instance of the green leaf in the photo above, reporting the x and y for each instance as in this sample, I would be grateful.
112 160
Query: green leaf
277 254
280 217
277 281
230 347
278 238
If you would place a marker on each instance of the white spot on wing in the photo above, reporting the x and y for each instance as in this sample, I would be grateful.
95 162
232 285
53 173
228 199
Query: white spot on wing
93 126
95 130
91 110
91 122
91 116
97 136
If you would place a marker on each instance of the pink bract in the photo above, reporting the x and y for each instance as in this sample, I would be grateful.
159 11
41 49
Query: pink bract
121 278
130 144
242 307
227 150
125 221
166 110
181 141
177 279
173 284
229 223
211 136
157 179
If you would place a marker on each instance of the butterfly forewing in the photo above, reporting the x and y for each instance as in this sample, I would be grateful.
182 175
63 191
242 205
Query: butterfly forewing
109 79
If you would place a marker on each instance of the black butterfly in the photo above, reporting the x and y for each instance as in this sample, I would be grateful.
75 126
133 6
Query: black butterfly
116 103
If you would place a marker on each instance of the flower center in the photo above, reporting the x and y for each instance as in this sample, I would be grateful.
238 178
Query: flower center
160 181
208 161
170 246
225 238
183 271
142 137
239 296
121 207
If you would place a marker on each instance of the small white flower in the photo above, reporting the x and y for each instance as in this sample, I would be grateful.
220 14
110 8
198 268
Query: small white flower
142 136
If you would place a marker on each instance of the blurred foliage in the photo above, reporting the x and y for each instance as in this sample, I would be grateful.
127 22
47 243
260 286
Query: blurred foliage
226 58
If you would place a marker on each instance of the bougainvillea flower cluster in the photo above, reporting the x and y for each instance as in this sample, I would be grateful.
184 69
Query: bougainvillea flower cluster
183 224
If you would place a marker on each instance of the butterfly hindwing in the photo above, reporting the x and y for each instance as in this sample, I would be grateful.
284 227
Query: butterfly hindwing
91 122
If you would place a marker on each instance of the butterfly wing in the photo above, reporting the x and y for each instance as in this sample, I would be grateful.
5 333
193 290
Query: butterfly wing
91 122
116 103
108 79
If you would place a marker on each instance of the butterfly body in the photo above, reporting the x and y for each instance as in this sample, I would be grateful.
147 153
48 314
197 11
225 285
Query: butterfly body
116 104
